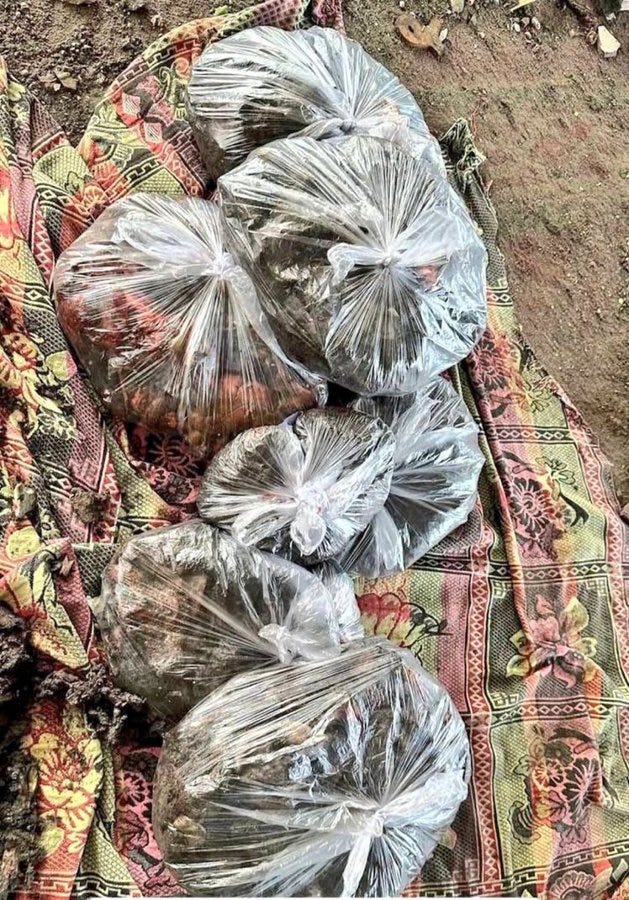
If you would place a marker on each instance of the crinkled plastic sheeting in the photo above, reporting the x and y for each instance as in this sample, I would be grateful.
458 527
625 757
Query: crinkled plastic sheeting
169 326
303 489
265 83
367 263
186 607
334 778
434 484
341 587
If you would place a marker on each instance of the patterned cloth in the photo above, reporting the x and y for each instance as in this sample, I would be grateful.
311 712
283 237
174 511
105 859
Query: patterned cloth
521 612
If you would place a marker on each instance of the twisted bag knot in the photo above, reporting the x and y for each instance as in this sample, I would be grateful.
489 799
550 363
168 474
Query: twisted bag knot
222 266
368 823
282 639
348 125
389 258
309 527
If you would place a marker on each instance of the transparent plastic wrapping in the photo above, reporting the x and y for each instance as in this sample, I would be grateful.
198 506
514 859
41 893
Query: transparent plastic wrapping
336 778
367 263
435 479
341 588
265 83
302 489
184 608
169 327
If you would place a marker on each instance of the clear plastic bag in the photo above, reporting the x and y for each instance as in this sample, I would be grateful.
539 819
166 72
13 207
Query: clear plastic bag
341 588
169 327
265 83
434 485
184 608
302 489
336 778
367 263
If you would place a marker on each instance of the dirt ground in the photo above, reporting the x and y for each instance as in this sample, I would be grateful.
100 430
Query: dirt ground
551 116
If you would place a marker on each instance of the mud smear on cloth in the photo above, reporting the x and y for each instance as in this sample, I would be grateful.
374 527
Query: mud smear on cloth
108 709
18 817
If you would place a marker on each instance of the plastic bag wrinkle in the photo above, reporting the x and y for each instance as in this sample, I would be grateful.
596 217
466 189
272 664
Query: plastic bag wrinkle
434 484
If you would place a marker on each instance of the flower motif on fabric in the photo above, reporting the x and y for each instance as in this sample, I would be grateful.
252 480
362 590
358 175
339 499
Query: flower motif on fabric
564 477
69 775
29 383
167 464
555 645
392 616
563 779
386 615
134 790
495 364
131 832
538 517
559 471
573 886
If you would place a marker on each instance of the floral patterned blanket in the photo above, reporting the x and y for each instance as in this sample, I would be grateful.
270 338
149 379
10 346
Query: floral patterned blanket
521 613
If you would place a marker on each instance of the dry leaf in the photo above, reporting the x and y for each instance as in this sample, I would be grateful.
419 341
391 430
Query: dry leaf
67 80
521 5
424 37
50 82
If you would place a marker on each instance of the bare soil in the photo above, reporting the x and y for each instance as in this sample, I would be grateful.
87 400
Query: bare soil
551 116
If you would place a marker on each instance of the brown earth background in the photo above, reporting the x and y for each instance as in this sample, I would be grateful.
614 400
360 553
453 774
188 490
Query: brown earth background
551 116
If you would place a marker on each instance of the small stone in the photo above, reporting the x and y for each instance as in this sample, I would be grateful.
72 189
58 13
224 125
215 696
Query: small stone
457 6
24 501
515 26
473 19
481 34
607 44
402 4
535 22
524 21
573 32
